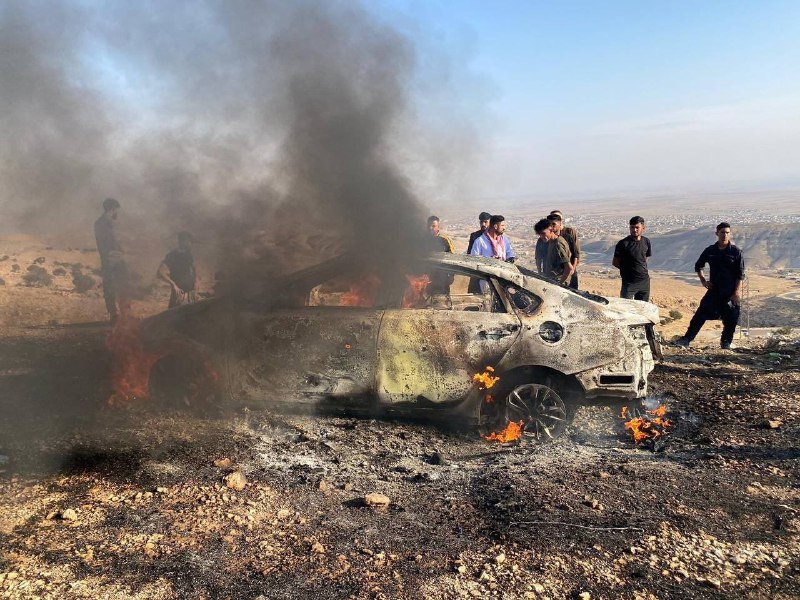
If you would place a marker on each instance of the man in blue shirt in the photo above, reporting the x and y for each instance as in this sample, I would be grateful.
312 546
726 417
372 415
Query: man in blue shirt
493 243
724 294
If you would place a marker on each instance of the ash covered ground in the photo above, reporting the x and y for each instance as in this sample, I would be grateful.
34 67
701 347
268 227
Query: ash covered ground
131 502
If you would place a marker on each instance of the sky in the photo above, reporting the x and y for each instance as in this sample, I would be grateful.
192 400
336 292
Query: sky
189 107
627 96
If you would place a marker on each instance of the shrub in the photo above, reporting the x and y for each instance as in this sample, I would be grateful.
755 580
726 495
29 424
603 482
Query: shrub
675 314
785 330
37 277
83 283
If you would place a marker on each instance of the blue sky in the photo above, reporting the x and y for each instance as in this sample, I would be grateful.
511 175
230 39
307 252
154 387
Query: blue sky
629 95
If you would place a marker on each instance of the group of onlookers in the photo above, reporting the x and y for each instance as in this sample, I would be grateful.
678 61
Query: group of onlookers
558 255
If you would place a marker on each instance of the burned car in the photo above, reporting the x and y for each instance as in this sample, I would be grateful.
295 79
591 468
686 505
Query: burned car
519 349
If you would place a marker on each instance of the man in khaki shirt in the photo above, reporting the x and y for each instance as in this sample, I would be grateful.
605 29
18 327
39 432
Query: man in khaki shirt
557 264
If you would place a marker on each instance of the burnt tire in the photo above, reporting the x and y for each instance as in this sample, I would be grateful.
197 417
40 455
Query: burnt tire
540 408
185 383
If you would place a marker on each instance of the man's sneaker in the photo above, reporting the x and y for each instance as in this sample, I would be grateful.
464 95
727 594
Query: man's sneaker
727 346
682 342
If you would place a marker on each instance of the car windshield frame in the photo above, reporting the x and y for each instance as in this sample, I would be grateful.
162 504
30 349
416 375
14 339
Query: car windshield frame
582 293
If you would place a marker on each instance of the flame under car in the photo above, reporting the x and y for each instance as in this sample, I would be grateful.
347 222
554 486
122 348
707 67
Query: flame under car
337 336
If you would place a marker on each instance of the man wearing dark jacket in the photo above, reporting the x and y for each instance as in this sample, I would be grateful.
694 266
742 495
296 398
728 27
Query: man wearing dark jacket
724 288
474 286
483 219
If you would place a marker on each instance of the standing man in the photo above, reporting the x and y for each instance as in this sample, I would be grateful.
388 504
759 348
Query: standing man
630 257
112 264
439 242
483 219
571 236
474 286
177 269
557 263
493 243
724 295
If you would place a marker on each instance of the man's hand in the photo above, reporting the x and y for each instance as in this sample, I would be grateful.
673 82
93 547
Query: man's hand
736 298
706 284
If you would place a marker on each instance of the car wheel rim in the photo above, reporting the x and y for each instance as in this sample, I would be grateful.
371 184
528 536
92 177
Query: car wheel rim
541 410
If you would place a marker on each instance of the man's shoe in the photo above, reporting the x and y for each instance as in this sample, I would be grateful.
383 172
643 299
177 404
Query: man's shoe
682 342
727 346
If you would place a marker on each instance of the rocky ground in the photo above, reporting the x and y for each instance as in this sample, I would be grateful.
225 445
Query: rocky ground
129 502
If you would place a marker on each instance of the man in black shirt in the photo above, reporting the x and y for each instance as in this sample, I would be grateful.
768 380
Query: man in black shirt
724 294
474 286
630 257
483 219
177 269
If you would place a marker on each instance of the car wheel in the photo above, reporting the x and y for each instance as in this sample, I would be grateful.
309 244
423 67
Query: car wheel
538 407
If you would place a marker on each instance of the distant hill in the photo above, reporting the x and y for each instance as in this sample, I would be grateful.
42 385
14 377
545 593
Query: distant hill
765 246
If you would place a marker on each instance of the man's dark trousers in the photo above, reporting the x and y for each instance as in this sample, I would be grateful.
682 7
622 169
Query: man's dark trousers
636 290
713 307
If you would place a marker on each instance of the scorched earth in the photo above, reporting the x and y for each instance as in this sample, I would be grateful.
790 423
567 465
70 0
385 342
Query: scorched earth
127 501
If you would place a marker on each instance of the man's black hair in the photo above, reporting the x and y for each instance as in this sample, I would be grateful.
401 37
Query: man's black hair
722 225
431 219
110 204
636 220
553 217
496 219
541 225
484 216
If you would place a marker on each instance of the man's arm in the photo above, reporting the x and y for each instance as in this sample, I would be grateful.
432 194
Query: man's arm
472 238
510 256
567 272
476 247
577 257
617 260
698 268
737 293
163 273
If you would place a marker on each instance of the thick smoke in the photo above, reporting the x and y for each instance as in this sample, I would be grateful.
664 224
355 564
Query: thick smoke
272 128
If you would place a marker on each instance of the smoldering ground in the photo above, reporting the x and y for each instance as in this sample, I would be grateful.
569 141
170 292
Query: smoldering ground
273 130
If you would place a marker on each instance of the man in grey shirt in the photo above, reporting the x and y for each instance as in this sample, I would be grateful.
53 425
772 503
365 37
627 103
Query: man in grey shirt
112 265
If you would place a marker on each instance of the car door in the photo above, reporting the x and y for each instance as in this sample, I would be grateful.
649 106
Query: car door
324 350
439 336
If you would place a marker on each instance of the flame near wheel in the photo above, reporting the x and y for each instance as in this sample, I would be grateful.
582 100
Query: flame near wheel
537 408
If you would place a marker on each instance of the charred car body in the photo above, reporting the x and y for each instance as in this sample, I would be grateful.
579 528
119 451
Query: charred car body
334 336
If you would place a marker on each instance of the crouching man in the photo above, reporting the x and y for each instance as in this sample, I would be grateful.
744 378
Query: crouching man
177 269
724 288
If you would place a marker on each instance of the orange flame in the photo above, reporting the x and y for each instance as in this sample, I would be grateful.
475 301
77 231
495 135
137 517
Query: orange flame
485 380
132 363
644 428
511 433
414 294
361 293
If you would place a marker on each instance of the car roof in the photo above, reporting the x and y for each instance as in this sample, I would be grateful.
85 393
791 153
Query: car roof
480 264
